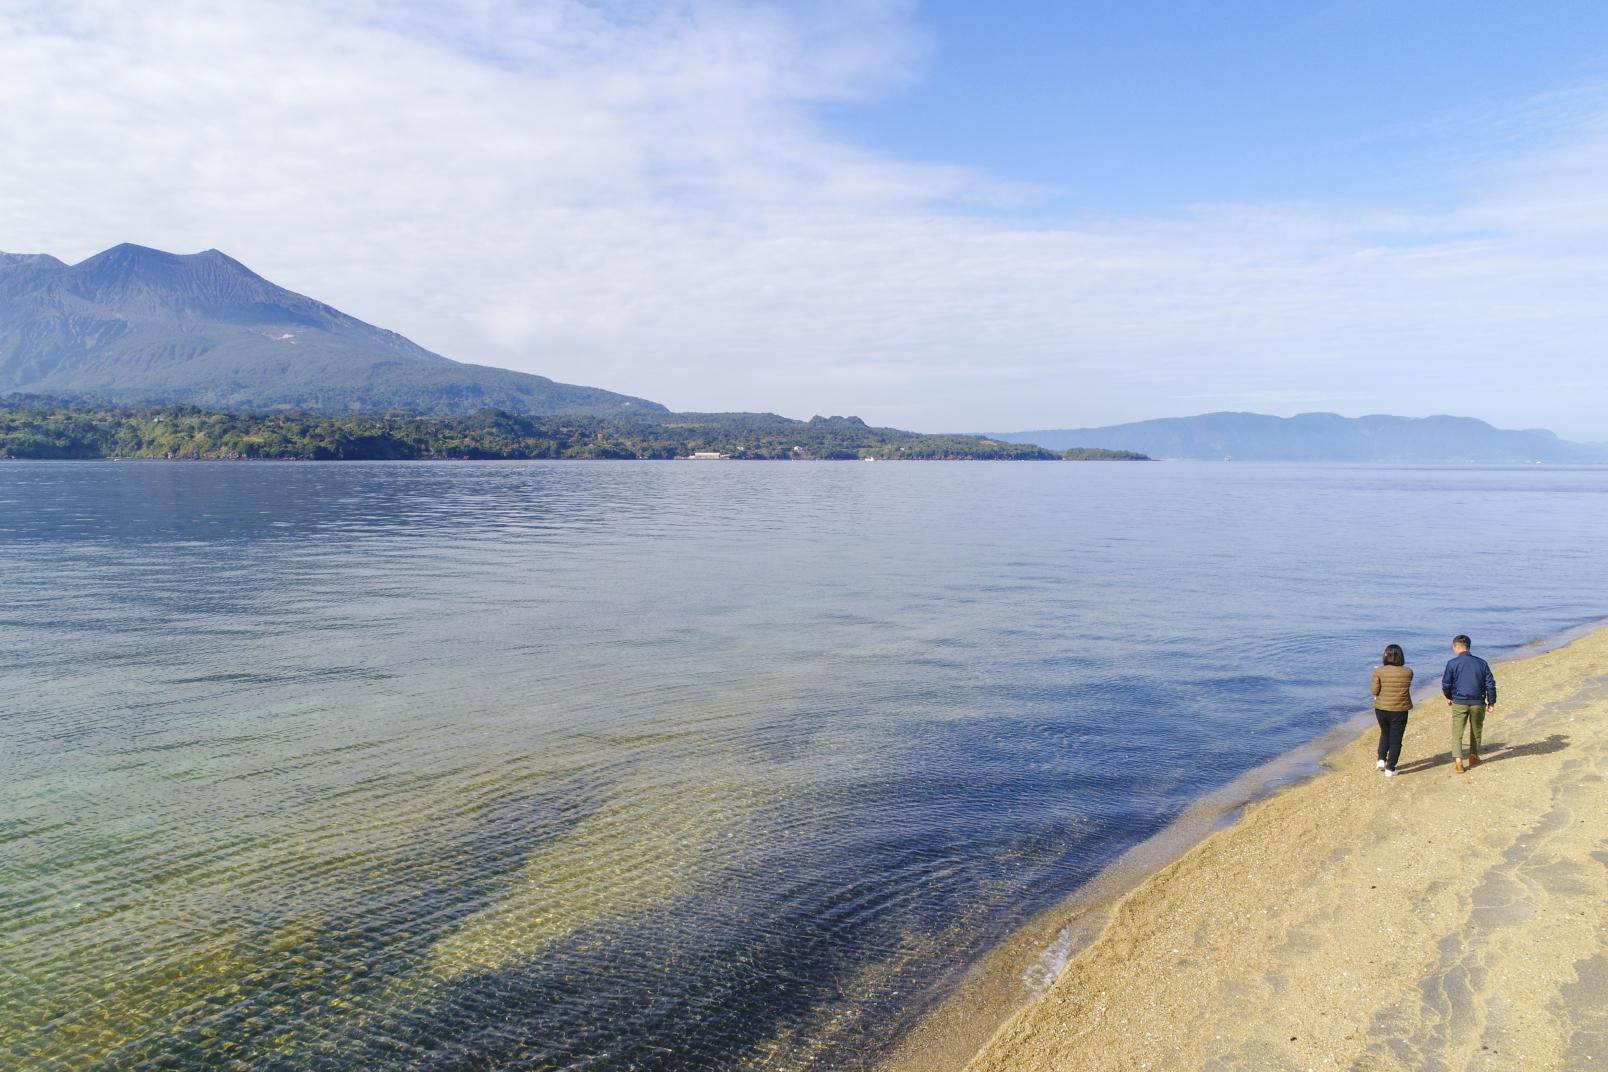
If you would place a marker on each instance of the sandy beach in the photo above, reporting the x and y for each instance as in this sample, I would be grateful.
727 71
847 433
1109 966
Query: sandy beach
1433 921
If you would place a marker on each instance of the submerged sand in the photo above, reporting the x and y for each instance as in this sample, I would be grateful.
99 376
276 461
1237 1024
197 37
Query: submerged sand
1433 921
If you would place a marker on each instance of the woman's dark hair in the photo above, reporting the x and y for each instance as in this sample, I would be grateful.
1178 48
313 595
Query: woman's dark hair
1394 656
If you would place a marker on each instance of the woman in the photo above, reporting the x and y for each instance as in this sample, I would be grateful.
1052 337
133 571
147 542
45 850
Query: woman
1392 689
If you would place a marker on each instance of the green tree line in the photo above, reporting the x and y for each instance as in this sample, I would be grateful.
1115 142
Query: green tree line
45 428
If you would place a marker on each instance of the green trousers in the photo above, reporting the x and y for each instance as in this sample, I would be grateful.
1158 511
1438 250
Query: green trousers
1473 716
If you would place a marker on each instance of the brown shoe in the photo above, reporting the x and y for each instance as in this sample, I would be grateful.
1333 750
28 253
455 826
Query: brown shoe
1457 765
1473 760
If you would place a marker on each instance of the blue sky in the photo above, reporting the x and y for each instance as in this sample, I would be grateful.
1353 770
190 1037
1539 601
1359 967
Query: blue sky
942 216
1146 107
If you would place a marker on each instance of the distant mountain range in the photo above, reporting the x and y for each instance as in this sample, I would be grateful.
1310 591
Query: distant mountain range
1323 437
135 325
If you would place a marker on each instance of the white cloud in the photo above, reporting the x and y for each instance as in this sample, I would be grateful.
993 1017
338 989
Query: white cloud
638 197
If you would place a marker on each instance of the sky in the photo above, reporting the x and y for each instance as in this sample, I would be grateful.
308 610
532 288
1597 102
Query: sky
942 216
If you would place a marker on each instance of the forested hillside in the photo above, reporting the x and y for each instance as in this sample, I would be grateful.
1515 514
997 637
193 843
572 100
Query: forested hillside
37 428
143 327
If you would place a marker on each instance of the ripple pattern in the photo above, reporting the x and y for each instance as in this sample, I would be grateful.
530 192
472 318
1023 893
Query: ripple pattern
654 766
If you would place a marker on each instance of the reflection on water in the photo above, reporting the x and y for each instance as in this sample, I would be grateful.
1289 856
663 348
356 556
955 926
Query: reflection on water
650 766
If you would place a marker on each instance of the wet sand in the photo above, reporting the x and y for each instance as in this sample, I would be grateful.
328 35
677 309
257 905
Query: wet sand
1433 921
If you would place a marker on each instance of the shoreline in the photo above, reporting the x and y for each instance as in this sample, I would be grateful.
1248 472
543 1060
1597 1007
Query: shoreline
1018 1007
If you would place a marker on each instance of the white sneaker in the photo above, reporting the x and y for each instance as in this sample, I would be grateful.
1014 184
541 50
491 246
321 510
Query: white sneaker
1390 774
1380 765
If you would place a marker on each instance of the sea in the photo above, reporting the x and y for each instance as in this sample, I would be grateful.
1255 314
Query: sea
662 766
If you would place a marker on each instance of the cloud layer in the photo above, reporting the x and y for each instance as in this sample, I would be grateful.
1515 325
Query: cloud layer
639 197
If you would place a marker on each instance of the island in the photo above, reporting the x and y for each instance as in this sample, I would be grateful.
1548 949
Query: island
1098 454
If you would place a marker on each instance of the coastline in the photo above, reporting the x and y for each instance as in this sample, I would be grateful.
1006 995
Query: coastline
1314 914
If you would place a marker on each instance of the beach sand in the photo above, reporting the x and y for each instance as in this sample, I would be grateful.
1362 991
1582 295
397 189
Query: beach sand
1433 921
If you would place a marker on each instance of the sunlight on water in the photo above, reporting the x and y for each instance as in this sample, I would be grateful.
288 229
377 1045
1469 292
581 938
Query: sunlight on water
654 766
617 862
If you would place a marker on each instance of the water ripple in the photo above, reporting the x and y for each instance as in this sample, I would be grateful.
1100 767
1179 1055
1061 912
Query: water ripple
653 767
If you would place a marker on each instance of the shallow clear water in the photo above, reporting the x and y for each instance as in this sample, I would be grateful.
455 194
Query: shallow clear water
659 766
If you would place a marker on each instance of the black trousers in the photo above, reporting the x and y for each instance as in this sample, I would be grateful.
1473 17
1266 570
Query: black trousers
1392 727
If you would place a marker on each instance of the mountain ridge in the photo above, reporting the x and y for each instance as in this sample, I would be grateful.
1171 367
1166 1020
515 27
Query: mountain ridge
139 325
1320 436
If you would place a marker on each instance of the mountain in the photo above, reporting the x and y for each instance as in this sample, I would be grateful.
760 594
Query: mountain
136 325
1320 437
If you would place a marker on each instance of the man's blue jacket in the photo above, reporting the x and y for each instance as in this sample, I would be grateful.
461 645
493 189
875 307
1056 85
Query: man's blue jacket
1468 680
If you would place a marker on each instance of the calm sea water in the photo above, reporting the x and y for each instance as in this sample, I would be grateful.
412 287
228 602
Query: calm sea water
659 766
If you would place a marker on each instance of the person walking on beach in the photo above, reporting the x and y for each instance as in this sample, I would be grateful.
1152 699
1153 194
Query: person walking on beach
1470 691
1393 699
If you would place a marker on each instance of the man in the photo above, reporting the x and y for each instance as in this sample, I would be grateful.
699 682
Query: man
1470 691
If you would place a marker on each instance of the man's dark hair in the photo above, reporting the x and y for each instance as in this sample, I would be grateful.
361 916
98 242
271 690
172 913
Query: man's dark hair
1461 640
1394 655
